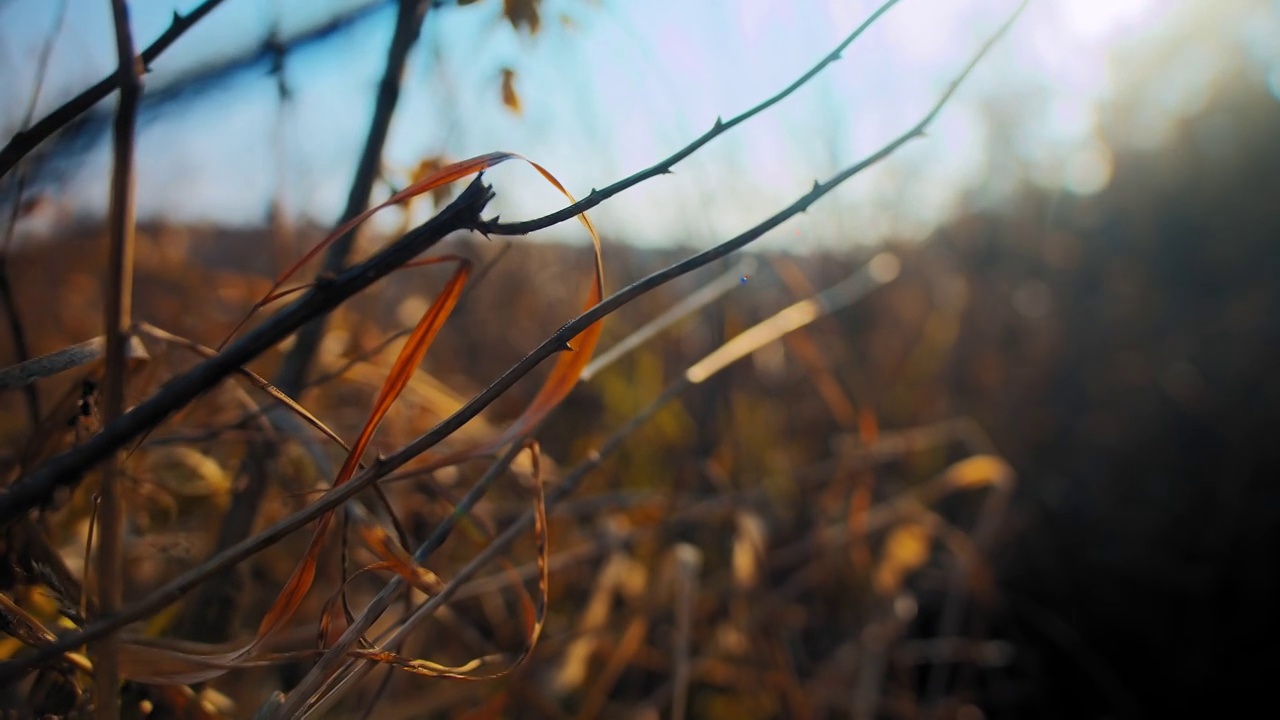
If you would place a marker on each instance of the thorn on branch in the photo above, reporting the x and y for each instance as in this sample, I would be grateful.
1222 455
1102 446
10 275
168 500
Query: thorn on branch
718 124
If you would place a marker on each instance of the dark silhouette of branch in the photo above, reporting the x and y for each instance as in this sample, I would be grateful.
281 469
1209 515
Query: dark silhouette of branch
208 616
22 143
85 126
293 371
36 487
595 197
12 316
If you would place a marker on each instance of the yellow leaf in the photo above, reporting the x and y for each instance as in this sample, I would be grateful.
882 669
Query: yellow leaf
979 471
905 550
186 472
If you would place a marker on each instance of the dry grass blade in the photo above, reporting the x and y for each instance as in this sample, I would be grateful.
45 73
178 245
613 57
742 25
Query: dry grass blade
40 484
882 269
401 371
308 697
534 614
700 298
257 380
443 176
398 560
190 667
21 625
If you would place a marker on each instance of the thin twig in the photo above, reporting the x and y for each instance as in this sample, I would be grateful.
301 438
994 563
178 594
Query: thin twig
664 167
118 317
12 317
297 361
691 303
22 143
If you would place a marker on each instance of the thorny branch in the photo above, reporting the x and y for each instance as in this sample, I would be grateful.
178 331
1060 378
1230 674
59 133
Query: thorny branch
22 143
664 166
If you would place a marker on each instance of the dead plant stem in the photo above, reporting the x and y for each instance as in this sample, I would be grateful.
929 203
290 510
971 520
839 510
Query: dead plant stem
118 318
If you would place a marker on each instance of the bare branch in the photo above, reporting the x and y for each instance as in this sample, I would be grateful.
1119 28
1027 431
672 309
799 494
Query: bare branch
292 377
22 143
664 166
118 309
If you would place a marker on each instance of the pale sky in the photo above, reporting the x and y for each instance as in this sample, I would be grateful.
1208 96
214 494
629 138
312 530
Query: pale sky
608 87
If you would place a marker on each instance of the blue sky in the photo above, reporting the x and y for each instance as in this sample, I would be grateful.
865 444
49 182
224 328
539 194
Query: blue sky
608 87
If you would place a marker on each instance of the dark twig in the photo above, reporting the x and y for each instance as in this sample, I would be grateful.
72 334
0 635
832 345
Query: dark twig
293 371
12 317
476 280
21 144
19 334
118 318
337 653
664 167
38 485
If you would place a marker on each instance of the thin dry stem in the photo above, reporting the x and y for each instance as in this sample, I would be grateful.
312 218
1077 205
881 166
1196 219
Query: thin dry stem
119 316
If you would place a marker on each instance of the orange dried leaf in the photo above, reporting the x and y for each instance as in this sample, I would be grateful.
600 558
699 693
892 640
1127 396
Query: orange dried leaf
979 471
905 549
443 176
401 371
397 559
509 96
